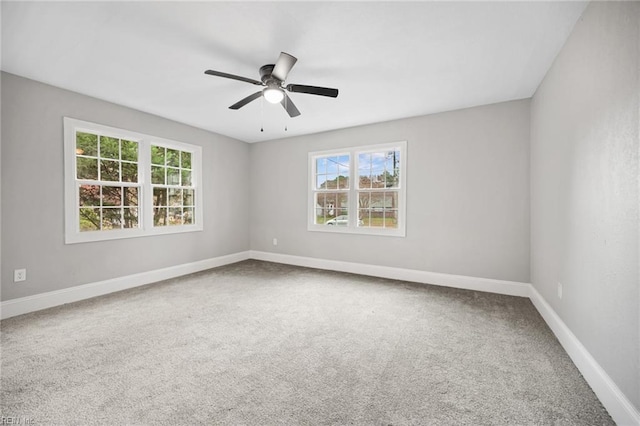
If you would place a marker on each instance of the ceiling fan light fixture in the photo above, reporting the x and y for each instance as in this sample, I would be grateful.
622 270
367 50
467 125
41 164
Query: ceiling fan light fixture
273 95
272 78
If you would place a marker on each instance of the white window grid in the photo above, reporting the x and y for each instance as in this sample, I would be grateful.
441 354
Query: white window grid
172 208
341 191
388 193
145 193
355 225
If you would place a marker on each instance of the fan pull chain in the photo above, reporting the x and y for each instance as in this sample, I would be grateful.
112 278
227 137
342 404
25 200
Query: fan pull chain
262 113
286 99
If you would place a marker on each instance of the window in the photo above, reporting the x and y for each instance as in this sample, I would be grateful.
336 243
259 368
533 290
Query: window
173 199
358 190
121 184
107 182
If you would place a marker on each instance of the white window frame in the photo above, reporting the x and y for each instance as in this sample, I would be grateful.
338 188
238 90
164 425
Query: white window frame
145 196
352 226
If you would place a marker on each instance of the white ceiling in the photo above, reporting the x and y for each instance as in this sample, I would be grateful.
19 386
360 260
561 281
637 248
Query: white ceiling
388 59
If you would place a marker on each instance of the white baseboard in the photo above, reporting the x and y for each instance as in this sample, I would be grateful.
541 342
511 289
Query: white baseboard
616 403
24 305
619 407
511 288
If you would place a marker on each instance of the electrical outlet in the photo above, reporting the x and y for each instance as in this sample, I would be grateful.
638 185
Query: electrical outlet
559 290
275 241
19 275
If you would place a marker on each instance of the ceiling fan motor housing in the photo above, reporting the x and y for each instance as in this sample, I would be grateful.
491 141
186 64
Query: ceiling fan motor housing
266 77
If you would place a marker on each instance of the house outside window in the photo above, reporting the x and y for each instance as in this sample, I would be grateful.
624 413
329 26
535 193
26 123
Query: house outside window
358 190
122 184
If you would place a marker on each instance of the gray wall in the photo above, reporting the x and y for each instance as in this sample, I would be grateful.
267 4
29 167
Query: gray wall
32 194
584 188
467 194
470 192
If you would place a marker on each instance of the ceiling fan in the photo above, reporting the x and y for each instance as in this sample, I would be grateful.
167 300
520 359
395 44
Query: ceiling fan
272 77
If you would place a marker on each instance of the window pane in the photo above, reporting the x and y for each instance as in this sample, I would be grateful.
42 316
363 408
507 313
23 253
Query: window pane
342 200
332 165
111 196
377 200
87 168
111 218
364 199
330 206
86 144
377 178
173 176
378 209
130 196
130 217
332 172
331 182
157 175
391 178
160 196
391 219
364 209
129 172
321 166
364 182
160 216
187 197
89 219
89 195
185 162
330 203
364 171
129 150
364 217
173 157
187 216
343 182
157 155
343 171
175 197
364 164
186 178
378 169
109 147
388 164
321 216
392 175
391 200
175 216
110 170
319 202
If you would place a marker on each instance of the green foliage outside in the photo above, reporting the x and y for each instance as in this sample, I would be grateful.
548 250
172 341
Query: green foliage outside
109 159
104 158
172 206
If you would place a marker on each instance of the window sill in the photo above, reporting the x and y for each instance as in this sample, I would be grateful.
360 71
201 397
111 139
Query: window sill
95 236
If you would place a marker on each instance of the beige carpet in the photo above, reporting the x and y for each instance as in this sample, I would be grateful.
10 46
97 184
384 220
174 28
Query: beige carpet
259 343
